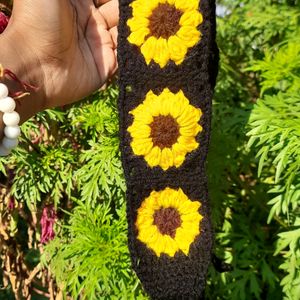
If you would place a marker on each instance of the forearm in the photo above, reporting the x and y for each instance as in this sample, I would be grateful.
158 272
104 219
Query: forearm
22 63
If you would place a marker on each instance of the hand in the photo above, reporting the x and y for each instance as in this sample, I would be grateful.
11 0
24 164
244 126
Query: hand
66 47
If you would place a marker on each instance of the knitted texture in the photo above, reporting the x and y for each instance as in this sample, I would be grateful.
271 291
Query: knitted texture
168 62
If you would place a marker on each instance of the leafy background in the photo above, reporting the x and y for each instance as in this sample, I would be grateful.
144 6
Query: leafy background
69 158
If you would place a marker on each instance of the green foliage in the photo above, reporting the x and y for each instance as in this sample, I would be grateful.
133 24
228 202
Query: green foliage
279 70
48 171
92 259
275 133
69 154
70 157
106 179
256 202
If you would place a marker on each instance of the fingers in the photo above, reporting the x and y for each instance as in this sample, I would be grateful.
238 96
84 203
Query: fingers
110 12
114 35
103 45
99 2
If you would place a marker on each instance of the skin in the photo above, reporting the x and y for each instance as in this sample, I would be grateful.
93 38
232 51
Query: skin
66 48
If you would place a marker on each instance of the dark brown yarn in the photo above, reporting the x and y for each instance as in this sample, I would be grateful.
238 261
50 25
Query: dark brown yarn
164 21
167 220
182 277
164 131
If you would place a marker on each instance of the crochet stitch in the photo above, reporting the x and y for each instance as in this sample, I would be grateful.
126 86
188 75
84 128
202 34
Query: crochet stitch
164 30
168 62
164 129
167 221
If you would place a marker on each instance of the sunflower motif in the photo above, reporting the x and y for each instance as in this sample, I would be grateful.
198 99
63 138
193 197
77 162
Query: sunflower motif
165 29
164 129
168 221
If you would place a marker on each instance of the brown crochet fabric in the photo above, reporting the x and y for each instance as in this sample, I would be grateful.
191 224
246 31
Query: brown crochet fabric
167 220
164 131
164 275
164 21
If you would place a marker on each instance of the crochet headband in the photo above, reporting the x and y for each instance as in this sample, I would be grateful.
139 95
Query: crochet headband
168 62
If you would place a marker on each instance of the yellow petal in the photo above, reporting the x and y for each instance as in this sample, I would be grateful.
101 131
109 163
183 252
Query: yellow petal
162 53
171 2
164 197
196 205
143 116
184 102
139 131
183 240
149 98
145 212
166 159
187 5
151 202
166 105
179 104
171 246
138 37
190 131
165 102
168 199
182 196
192 222
139 9
190 217
143 222
188 207
160 246
178 160
166 91
191 18
175 108
189 143
153 157
177 49
148 49
138 23
189 35
142 146
185 208
179 153
188 117
148 234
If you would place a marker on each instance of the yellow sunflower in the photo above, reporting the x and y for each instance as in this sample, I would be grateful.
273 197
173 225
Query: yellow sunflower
164 129
165 29
168 221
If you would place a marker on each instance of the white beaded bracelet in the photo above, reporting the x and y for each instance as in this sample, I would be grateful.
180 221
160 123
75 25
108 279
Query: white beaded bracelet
11 120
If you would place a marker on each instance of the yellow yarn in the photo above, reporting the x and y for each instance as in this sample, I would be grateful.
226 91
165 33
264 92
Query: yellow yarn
189 229
160 49
166 104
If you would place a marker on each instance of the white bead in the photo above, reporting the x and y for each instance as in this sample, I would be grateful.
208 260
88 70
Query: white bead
7 105
3 91
12 132
4 151
11 119
9 143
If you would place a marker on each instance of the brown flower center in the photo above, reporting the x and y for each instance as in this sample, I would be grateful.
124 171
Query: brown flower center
164 131
167 220
164 21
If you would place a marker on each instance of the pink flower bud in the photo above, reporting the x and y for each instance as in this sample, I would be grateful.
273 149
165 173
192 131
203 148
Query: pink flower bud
3 21
47 222
11 203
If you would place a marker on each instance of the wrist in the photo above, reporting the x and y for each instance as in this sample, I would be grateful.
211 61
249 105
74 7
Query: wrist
22 62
